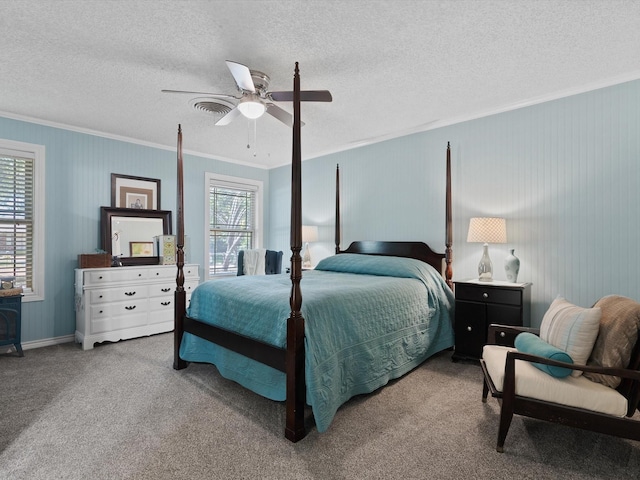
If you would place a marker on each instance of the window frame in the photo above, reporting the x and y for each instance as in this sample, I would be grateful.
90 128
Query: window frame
37 153
231 182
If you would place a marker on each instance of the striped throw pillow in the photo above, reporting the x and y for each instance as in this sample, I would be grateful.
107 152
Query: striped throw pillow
572 329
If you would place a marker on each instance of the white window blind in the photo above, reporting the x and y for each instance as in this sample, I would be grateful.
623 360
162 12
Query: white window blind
17 217
233 223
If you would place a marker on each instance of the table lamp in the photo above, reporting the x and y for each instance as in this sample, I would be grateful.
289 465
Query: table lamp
309 234
487 230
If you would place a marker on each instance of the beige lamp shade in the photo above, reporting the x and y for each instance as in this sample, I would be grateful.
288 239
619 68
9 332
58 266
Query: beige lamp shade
309 233
487 230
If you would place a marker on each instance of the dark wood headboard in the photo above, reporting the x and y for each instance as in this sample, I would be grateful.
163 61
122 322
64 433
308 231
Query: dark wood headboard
417 250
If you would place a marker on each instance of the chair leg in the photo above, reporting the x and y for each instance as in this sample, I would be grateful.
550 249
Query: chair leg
506 415
485 391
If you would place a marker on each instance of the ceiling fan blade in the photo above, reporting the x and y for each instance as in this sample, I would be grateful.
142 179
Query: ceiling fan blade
282 115
242 76
219 95
305 96
226 120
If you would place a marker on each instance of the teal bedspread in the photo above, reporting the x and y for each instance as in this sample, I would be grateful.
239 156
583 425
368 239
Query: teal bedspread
368 319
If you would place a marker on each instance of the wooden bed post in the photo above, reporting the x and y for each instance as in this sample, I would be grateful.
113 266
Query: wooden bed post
337 226
295 382
180 296
449 227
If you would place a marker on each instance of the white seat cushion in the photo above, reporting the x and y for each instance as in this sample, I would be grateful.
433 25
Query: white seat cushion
531 382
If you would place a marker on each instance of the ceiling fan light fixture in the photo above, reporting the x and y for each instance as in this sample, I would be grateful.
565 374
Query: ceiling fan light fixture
251 108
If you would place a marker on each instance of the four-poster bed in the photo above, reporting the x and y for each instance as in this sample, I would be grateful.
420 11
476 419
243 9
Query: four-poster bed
403 316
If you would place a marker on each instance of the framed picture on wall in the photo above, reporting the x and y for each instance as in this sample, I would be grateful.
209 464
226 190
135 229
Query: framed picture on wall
135 192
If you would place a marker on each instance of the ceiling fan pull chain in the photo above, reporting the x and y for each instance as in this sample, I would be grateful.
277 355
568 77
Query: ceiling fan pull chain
255 137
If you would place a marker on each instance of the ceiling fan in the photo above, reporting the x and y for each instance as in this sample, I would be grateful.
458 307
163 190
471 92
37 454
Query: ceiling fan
255 98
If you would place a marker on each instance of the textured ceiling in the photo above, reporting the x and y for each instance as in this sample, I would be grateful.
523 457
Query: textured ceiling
393 67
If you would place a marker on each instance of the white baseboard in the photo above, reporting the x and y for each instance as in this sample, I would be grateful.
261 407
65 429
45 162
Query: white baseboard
47 342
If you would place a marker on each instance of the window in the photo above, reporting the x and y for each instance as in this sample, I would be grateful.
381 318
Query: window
234 219
22 216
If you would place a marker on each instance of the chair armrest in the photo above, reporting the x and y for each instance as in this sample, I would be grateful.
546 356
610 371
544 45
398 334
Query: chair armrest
506 334
617 372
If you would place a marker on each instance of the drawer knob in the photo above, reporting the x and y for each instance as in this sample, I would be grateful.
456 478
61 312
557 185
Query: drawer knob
165 303
468 328
485 295
502 334
129 294
165 289
130 308
100 277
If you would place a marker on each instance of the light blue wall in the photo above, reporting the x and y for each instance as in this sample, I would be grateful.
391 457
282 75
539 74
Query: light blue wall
78 182
565 174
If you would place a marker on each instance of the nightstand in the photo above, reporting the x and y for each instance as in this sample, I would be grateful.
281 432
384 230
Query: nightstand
479 304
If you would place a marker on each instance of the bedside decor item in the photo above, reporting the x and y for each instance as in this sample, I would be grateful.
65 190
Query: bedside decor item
309 234
166 249
487 230
141 249
135 192
512 266
94 260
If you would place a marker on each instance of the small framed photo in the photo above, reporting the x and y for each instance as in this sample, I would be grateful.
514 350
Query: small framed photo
135 192
141 249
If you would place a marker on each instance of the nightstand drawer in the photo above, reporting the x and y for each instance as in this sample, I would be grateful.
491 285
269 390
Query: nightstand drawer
480 293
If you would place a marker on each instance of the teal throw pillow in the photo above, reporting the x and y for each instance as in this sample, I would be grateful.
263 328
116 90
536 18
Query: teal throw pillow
529 343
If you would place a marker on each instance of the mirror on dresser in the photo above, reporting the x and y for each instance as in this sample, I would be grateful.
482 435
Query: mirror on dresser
129 233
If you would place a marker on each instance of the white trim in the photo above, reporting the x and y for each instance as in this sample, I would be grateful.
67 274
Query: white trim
47 342
234 182
122 138
37 152
609 82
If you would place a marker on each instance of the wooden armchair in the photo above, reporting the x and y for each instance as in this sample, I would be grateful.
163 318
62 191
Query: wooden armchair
524 389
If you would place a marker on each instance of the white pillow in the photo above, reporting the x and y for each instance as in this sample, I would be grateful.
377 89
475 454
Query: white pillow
571 329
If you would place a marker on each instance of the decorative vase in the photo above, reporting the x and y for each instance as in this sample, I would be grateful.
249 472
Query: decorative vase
512 267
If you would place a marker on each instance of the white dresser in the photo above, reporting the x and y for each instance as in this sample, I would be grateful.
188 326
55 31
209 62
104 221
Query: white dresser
126 302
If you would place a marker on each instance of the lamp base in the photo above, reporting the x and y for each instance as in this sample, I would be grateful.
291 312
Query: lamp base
485 267
306 258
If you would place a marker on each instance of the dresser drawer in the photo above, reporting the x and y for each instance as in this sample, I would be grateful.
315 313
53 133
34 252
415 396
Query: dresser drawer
190 271
161 310
168 272
164 289
112 316
479 293
95 277
189 287
110 295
